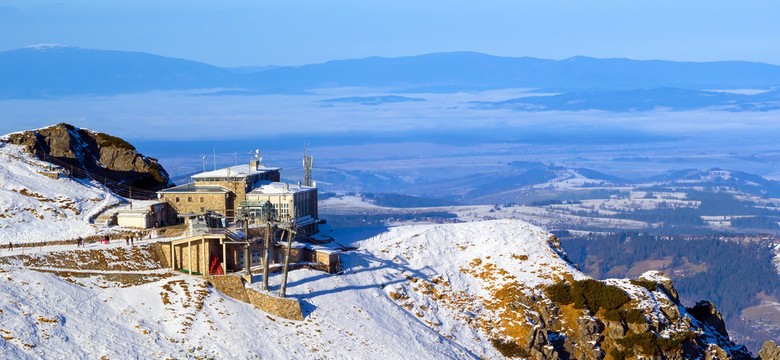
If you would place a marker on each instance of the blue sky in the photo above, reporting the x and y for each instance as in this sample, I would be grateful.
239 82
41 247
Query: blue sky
293 32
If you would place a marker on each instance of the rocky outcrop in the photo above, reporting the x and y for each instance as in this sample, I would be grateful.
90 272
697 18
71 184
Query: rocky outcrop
769 351
89 154
706 312
590 320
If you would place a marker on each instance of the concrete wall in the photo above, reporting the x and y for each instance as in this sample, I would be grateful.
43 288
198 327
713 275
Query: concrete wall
198 202
134 220
165 251
298 204
162 253
329 259
163 214
238 190
181 254
278 253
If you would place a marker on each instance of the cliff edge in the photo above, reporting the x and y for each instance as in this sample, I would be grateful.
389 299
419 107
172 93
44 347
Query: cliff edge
91 154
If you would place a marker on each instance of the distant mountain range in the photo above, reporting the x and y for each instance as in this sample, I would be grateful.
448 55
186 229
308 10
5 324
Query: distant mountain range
458 71
581 82
373 100
716 177
641 100
45 72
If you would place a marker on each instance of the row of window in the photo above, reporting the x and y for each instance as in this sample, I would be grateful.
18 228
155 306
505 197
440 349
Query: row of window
301 206
277 210
189 199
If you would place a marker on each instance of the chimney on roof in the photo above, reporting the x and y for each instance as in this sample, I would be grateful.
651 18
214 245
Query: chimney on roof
253 165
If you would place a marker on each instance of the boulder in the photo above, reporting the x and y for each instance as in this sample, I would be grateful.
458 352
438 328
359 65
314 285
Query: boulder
769 351
86 153
707 313
664 283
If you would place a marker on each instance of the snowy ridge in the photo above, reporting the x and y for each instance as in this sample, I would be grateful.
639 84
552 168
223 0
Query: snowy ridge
451 273
777 258
569 179
407 292
34 207
45 46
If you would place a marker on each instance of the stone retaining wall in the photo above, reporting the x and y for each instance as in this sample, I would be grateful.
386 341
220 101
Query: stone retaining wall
233 286
287 308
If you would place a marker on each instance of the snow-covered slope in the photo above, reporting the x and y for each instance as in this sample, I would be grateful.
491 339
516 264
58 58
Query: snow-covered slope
35 208
449 275
482 282
407 292
776 259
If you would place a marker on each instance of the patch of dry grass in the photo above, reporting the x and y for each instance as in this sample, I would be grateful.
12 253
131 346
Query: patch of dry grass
136 258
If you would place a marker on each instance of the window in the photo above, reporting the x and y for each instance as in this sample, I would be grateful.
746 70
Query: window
201 199
189 199
177 199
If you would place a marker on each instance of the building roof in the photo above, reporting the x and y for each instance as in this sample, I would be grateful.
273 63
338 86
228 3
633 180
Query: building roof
132 213
238 171
192 188
278 188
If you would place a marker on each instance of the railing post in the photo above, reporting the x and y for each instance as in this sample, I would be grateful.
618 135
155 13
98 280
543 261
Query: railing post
290 235
266 255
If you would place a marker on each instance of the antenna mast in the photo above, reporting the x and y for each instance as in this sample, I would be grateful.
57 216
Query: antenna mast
307 165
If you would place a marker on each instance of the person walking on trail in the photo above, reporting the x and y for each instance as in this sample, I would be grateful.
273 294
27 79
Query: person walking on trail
10 246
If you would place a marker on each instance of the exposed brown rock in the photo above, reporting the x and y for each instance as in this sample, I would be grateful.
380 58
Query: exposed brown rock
769 351
664 282
706 312
629 331
87 153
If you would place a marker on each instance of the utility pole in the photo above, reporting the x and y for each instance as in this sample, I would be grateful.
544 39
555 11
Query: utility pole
290 235
247 255
266 255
